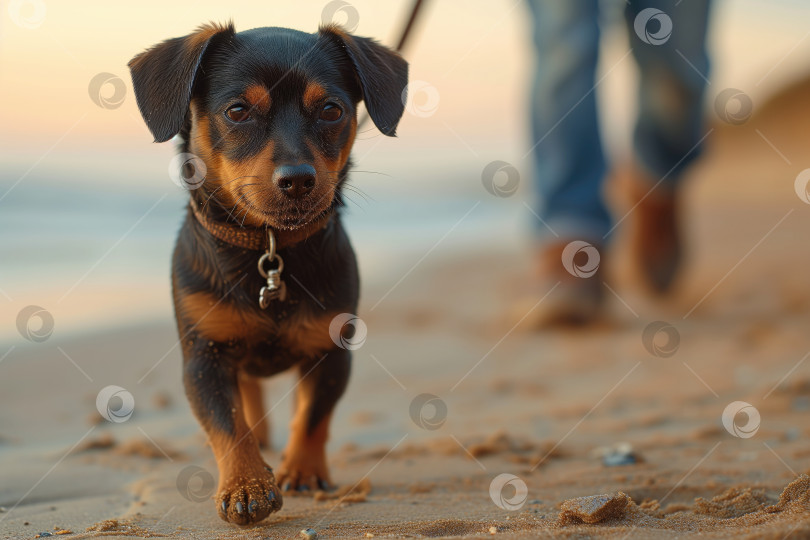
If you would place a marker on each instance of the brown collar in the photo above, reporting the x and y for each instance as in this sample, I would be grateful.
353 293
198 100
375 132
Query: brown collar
255 238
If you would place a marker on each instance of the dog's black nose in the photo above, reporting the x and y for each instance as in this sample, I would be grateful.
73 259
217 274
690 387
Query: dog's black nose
295 180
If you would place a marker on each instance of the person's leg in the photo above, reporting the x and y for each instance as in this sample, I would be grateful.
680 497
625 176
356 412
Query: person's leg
674 75
668 39
569 161
568 157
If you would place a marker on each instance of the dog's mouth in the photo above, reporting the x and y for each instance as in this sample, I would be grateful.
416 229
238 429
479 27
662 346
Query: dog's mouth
295 217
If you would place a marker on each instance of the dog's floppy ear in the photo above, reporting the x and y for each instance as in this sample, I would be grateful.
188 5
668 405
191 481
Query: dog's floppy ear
382 74
163 78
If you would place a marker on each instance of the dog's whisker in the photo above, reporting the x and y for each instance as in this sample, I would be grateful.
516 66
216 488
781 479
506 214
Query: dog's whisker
365 197
233 180
223 185
246 208
230 214
353 171
351 200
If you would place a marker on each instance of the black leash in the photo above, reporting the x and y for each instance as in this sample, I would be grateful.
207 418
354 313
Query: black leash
403 40
406 32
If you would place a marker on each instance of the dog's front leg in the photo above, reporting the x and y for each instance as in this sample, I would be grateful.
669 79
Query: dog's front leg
322 382
247 490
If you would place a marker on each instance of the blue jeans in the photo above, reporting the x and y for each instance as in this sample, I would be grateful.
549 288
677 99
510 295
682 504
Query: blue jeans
570 163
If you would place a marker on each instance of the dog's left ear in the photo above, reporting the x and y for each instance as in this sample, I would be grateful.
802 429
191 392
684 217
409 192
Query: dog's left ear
382 74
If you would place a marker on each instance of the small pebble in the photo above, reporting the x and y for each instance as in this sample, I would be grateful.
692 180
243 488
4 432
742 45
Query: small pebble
309 534
493 530
594 508
3 509
619 454
801 404
616 460
369 535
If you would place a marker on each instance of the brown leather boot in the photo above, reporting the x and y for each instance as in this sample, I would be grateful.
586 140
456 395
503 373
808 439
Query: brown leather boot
572 272
655 232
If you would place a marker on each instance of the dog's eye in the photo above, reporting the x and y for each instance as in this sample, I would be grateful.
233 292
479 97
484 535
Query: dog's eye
238 113
331 113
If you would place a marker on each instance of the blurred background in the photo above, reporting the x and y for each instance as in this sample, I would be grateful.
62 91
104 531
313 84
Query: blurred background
89 214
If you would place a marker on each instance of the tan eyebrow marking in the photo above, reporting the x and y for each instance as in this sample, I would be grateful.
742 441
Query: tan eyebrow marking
313 93
258 96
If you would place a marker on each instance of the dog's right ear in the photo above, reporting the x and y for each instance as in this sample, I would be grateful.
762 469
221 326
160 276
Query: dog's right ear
163 78
382 74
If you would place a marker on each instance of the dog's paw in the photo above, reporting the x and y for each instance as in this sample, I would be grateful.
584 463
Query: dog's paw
247 497
304 476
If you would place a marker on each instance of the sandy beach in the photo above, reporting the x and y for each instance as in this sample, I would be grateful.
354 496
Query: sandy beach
503 398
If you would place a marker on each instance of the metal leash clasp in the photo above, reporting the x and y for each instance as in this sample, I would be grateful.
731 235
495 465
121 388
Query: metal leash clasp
275 289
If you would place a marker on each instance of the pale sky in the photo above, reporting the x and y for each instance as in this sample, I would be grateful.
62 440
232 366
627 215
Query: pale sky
476 54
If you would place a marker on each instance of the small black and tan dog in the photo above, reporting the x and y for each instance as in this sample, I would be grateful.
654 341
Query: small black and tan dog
271 113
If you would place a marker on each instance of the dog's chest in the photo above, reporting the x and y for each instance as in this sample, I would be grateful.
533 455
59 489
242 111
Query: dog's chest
275 347
301 331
